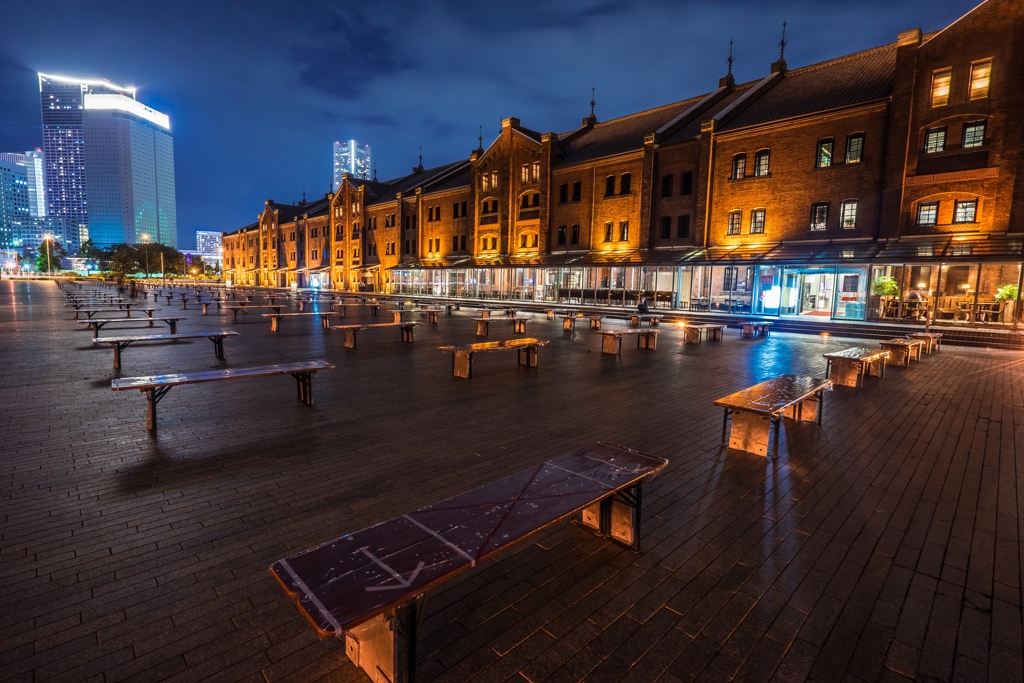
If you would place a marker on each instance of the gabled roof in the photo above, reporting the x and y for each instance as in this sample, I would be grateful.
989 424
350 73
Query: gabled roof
623 134
251 226
417 179
286 213
692 129
852 79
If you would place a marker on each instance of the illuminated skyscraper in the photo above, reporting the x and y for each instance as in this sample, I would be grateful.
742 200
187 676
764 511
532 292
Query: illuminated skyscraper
13 201
129 158
62 101
33 163
352 158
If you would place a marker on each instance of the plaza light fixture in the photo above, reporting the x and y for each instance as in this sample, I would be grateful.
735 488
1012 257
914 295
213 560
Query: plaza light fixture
46 238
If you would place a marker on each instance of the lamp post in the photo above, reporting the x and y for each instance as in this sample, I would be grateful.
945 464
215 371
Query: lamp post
47 237
145 241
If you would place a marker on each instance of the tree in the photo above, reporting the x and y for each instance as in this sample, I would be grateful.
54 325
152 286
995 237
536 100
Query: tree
56 253
124 259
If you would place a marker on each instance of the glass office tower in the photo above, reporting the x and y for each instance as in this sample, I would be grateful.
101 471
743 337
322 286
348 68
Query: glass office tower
352 158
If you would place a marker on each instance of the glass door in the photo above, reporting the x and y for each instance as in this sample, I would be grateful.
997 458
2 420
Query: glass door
808 292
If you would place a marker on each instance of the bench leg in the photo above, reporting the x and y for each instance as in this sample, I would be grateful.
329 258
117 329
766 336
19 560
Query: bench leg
568 324
174 326
304 380
481 328
595 323
519 327
153 397
183 302
407 334
234 315
350 339
218 347
777 423
325 321
374 311
273 324
531 356
611 343
462 364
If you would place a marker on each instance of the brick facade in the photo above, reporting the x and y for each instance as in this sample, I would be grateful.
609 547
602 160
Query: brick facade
847 157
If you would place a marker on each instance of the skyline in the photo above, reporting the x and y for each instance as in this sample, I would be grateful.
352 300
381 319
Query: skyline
252 123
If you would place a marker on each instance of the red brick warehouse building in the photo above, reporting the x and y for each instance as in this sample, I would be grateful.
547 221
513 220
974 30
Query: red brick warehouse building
856 188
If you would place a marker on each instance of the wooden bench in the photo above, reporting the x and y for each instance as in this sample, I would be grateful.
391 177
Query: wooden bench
243 308
462 354
325 318
350 331
156 386
368 587
637 319
755 328
552 312
693 333
903 350
849 367
483 325
756 410
97 323
90 312
119 344
932 340
397 314
595 321
611 340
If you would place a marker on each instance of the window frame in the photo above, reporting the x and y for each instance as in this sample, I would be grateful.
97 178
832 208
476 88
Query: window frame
626 184
666 228
680 222
609 186
815 207
765 154
738 168
561 236
935 99
757 220
973 203
825 154
860 154
988 80
624 231
843 206
974 124
934 210
608 227
928 133
667 185
686 183
735 223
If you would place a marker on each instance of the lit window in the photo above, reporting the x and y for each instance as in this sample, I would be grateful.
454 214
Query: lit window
739 166
761 160
848 214
735 221
854 149
974 134
485 183
757 222
940 88
623 231
824 158
819 216
935 140
535 171
524 175
927 213
965 211
607 232
981 74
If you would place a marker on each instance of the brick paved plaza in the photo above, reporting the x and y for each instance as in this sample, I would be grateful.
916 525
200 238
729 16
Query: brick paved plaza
883 545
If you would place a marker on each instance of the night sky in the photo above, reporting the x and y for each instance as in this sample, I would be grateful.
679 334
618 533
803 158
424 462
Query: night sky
257 92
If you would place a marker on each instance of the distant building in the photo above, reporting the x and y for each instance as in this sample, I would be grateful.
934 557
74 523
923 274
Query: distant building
30 232
208 244
352 158
13 201
129 155
62 101
33 163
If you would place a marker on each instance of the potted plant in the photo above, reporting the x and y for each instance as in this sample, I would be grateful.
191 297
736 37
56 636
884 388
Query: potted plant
885 287
1007 296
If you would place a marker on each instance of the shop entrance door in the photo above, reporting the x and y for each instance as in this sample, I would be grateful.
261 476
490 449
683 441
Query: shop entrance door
809 292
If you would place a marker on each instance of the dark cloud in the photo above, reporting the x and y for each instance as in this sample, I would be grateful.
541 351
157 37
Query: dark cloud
258 92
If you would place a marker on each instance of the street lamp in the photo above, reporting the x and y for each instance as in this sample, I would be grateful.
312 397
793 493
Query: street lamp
145 240
47 237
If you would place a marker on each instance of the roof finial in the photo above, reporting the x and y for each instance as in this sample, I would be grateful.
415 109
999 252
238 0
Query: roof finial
480 139
421 155
303 194
592 103
729 61
782 43
375 171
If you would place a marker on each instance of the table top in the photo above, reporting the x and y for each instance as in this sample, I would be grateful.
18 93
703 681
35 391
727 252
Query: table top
127 320
494 345
143 383
858 353
926 335
158 337
902 342
704 326
775 395
756 322
344 582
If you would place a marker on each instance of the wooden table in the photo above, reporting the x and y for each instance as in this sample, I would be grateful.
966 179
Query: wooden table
368 587
755 328
903 350
693 333
849 367
932 340
757 409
